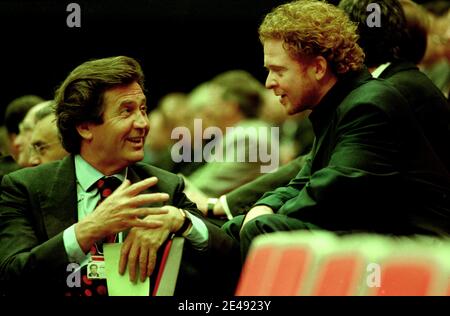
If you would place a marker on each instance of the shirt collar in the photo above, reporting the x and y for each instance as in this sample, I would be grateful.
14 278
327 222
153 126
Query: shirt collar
87 175
377 72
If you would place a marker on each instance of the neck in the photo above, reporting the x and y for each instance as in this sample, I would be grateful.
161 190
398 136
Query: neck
105 167
327 82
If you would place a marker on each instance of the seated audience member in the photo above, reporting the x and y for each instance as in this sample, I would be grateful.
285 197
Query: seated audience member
22 141
436 62
170 113
232 108
14 115
45 141
388 51
370 168
56 216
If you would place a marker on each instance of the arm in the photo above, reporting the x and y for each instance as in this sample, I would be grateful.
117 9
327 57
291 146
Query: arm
26 254
359 174
241 199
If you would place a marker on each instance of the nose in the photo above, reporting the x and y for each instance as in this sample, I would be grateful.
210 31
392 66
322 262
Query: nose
141 121
34 160
270 81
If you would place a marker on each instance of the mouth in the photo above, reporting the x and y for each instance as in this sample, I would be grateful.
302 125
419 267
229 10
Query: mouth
283 99
137 141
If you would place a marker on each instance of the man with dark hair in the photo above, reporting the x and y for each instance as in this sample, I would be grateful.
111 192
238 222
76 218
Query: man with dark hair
45 143
389 57
62 212
232 101
370 168
14 114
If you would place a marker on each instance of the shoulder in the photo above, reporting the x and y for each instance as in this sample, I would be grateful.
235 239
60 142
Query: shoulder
375 95
39 174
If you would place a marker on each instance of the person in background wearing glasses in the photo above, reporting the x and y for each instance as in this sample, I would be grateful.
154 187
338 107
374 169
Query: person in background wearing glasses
45 141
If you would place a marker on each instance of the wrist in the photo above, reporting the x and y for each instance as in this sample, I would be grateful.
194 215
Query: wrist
186 224
84 236
211 203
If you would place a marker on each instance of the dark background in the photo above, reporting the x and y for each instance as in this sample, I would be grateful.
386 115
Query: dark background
180 43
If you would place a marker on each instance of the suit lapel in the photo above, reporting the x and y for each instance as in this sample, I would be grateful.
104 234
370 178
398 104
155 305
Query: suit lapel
59 202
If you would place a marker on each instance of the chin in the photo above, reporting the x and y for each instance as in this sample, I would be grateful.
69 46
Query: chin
136 157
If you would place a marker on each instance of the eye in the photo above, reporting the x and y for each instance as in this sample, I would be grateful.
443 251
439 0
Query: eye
143 109
126 110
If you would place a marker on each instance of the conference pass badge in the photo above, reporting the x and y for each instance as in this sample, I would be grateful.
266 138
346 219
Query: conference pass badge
96 268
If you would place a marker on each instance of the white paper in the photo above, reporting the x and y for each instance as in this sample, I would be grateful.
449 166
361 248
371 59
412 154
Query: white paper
120 285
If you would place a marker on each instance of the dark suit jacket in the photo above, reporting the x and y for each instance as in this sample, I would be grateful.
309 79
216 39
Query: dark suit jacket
428 103
7 165
430 109
371 169
37 204
241 199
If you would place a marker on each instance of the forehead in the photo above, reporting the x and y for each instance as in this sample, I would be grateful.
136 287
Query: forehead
275 53
124 93
45 129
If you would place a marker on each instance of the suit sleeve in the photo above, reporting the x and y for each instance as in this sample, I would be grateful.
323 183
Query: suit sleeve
276 199
26 257
241 199
360 162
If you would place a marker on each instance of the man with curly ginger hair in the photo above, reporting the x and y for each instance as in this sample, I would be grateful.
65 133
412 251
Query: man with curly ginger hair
370 169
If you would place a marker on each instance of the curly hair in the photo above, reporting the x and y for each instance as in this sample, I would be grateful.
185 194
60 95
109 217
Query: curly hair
381 44
313 28
79 99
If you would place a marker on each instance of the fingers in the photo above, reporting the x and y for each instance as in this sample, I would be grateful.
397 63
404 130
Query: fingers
143 199
143 259
145 211
145 224
140 186
151 263
124 257
132 261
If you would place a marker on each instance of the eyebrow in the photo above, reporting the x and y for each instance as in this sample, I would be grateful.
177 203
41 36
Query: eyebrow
130 101
274 67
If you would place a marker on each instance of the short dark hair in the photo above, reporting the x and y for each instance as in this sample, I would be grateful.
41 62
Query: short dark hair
17 109
241 87
380 44
417 24
79 99
47 109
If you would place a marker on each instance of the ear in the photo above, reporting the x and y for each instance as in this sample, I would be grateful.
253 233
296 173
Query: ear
84 129
320 65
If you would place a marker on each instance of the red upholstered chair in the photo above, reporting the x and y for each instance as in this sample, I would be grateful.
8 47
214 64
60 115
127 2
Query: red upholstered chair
321 263
274 270
339 275
407 278
257 273
290 271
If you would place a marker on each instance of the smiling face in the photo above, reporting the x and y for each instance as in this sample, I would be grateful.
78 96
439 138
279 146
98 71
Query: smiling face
293 81
119 140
